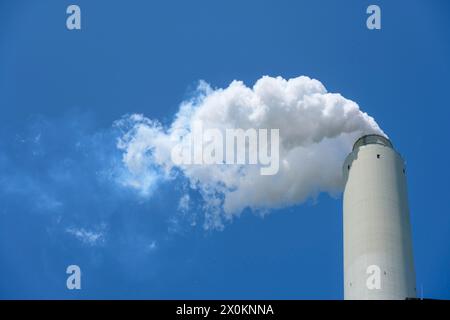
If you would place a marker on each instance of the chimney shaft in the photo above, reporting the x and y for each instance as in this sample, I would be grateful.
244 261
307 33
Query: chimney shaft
378 258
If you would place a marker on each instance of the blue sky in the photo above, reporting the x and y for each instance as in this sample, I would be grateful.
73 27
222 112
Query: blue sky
61 91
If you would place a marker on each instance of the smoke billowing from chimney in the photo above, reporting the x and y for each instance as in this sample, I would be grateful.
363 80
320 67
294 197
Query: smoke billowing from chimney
316 132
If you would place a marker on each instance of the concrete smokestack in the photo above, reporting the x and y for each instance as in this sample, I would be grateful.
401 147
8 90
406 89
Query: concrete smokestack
378 258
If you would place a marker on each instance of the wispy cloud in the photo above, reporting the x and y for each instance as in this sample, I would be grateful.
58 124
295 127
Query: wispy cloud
152 246
88 237
184 203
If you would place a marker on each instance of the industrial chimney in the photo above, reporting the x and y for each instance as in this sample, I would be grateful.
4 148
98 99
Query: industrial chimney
378 257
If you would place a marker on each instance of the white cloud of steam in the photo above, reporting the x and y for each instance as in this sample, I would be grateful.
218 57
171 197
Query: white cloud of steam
317 130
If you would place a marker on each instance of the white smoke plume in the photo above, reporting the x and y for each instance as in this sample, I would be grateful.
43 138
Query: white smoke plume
317 131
